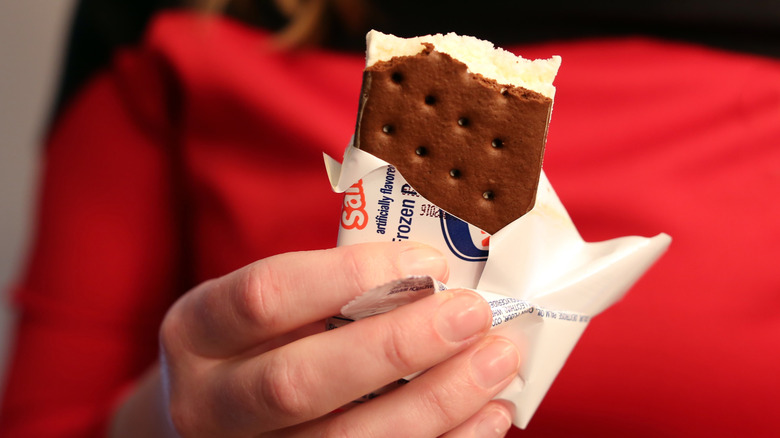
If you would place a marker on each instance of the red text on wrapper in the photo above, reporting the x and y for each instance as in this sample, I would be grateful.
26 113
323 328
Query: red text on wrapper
354 213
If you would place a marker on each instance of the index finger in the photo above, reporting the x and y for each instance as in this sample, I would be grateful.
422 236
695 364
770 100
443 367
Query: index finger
229 315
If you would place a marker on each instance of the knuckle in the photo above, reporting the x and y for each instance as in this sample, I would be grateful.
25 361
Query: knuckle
362 267
184 406
396 347
437 401
257 296
179 329
171 329
281 387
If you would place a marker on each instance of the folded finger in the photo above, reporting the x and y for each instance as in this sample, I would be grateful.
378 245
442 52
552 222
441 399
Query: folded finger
226 316
441 400
315 375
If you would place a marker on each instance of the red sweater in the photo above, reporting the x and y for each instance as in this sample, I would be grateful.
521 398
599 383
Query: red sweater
200 151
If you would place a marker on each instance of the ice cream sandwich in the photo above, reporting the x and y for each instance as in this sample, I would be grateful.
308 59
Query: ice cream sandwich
464 122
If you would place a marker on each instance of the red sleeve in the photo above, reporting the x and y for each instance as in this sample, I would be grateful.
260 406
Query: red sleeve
102 268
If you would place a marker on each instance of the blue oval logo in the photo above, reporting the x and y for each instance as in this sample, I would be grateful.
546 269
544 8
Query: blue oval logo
459 239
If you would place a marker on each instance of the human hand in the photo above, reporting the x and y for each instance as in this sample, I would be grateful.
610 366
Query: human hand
246 354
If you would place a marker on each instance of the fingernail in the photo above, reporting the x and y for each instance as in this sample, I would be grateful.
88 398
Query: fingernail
495 424
495 362
462 316
422 260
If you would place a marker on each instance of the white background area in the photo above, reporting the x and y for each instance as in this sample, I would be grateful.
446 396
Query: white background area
33 35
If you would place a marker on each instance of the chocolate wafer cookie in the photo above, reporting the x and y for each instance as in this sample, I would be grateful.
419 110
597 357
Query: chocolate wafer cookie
467 143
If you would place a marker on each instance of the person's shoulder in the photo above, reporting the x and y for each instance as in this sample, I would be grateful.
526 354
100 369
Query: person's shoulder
149 80
189 35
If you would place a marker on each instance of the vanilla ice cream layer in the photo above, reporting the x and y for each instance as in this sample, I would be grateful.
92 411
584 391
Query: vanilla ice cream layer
481 57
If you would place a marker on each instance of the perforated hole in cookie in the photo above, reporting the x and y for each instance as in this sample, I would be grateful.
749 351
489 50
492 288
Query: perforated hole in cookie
497 143
455 173
421 151
430 99
388 129
463 121
488 195
397 77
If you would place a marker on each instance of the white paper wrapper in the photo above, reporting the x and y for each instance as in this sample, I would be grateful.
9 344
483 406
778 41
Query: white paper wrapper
542 280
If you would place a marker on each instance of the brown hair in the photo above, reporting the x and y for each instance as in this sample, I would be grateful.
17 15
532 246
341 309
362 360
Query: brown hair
297 23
